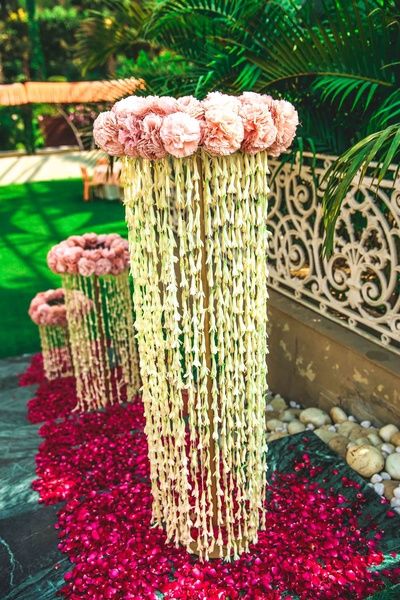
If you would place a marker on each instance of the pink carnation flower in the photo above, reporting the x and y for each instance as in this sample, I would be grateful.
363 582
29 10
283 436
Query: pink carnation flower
216 99
224 131
191 106
89 254
48 308
93 253
105 133
86 266
103 267
164 105
130 134
180 134
132 106
139 106
90 238
150 144
286 121
118 265
259 128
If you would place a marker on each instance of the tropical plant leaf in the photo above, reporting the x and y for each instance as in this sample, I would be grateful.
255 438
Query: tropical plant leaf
382 148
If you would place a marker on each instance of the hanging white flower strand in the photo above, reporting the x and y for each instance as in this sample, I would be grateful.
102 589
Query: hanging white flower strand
198 246
55 351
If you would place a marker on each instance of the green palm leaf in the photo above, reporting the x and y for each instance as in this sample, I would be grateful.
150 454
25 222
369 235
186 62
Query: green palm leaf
382 148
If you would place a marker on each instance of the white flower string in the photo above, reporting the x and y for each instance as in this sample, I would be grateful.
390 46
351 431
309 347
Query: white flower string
103 348
55 350
198 247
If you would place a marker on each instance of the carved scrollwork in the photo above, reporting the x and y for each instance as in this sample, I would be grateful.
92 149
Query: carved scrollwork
359 286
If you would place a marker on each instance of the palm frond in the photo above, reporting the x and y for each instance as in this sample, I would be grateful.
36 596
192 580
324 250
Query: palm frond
378 150
339 89
117 28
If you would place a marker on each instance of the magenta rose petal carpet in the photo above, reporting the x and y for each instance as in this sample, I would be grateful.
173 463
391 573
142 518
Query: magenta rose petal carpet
328 536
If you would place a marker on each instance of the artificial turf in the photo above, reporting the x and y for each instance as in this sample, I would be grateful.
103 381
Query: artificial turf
33 217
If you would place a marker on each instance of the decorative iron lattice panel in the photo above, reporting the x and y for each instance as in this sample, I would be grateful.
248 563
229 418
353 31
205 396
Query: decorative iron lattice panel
359 286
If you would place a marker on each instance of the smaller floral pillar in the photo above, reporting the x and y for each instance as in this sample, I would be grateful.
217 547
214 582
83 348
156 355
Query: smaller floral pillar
47 310
104 352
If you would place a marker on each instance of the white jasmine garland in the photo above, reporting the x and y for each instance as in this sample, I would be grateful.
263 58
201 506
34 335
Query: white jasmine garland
198 247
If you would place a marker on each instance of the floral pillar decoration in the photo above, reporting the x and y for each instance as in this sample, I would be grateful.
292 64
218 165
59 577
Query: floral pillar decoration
195 178
103 346
47 310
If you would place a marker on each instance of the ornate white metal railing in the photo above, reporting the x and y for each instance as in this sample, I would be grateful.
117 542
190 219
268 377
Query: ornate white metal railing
359 286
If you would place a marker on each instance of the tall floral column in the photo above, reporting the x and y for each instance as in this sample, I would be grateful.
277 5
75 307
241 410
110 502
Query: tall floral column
195 177
47 310
103 347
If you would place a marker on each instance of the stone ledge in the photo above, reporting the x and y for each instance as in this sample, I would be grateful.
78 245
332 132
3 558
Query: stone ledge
317 362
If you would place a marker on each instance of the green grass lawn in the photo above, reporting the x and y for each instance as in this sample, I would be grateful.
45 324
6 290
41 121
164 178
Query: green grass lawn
33 217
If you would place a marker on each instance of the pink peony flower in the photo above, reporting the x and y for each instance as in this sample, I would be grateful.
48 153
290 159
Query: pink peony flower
259 128
150 144
286 121
105 133
180 134
103 266
86 267
224 131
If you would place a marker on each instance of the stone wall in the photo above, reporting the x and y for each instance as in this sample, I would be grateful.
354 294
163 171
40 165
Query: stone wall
317 362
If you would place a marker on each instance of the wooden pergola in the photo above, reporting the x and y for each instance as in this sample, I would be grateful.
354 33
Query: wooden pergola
62 93
77 92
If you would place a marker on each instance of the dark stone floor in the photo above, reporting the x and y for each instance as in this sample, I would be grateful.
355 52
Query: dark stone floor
31 567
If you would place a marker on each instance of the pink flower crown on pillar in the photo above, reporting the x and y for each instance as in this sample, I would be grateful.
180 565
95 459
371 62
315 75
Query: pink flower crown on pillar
48 308
90 254
153 127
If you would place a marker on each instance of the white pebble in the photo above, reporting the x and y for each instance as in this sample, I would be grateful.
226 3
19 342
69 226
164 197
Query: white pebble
351 418
395 502
365 424
310 426
393 465
378 487
314 415
387 432
376 478
396 492
397 509
398 449
388 448
385 475
331 428
293 404
269 408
